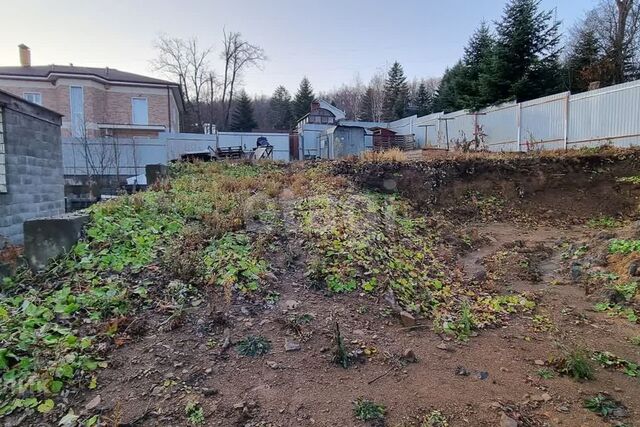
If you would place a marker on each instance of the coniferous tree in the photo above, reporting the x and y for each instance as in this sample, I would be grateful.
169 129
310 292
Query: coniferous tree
423 101
396 94
366 106
450 92
584 60
525 63
281 115
243 120
303 99
478 55
460 86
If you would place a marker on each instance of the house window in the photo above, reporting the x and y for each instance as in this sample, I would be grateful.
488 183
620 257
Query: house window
3 156
34 97
139 111
76 102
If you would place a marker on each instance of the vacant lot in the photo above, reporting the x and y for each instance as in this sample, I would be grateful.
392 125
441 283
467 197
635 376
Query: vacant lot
464 291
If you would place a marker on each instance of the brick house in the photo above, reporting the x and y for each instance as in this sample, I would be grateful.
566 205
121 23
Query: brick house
97 102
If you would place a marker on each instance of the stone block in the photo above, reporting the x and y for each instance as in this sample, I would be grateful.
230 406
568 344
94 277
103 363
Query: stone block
47 238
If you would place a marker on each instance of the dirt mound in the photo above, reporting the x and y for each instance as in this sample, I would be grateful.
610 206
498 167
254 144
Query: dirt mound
565 188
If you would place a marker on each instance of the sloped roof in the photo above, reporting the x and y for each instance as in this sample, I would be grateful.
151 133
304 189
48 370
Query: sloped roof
338 113
108 74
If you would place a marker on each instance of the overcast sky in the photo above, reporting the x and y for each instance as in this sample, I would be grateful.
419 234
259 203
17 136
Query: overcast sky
329 41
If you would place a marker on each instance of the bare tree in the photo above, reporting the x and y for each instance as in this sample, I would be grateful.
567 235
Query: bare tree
349 97
238 55
617 24
187 63
100 157
173 61
199 75
377 88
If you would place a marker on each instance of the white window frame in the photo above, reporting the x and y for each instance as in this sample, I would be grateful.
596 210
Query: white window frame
35 97
77 117
133 109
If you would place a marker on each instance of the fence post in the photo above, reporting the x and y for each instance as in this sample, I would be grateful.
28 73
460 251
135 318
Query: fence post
519 126
566 121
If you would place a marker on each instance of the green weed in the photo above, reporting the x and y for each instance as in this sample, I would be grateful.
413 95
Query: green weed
622 246
634 179
603 222
195 413
231 262
610 360
626 291
272 297
617 310
603 406
575 364
545 373
435 419
367 410
253 346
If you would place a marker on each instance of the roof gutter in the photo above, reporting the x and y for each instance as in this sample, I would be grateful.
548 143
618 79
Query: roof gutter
90 76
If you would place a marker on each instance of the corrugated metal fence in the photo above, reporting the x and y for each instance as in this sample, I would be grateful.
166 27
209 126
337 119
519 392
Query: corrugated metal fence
128 156
608 115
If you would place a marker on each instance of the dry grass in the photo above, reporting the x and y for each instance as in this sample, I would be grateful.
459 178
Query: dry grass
457 155
391 155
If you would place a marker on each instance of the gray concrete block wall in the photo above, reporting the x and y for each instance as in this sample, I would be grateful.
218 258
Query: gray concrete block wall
33 167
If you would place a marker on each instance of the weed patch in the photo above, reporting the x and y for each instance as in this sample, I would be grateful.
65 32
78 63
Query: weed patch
575 364
195 413
231 262
545 373
622 246
603 222
367 410
51 323
253 346
376 243
605 407
610 360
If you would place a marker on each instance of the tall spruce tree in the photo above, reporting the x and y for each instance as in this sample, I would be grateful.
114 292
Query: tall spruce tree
423 101
584 60
450 93
243 120
280 109
396 94
478 55
525 64
366 106
460 87
303 99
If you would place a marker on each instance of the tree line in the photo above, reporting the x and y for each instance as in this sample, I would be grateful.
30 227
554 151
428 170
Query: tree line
518 57
522 57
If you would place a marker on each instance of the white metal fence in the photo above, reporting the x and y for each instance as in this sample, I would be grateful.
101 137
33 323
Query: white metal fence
127 157
607 115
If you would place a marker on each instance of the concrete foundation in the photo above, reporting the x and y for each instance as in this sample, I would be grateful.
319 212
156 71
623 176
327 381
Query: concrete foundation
47 238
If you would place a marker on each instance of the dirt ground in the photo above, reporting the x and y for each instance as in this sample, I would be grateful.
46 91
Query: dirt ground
492 379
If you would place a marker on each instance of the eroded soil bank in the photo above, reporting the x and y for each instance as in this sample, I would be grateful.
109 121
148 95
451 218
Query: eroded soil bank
576 185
